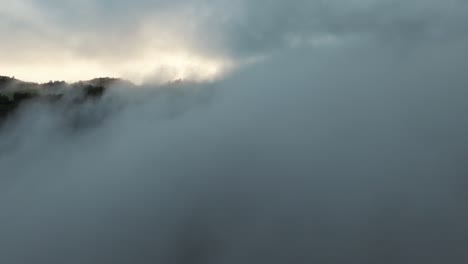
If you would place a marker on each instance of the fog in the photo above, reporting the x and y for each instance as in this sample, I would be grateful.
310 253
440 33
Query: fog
346 144
350 153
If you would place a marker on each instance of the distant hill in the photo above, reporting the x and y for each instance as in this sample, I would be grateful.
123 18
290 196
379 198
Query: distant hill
14 92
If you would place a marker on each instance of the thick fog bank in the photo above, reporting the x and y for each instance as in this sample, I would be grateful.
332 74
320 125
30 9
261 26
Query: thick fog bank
340 154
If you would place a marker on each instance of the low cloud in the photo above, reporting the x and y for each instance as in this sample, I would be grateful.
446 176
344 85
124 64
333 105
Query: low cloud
350 151
325 155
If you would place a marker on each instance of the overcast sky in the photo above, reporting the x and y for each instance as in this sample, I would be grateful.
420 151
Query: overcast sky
48 39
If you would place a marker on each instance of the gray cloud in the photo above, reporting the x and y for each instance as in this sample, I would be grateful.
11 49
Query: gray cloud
132 39
350 152
269 24
243 27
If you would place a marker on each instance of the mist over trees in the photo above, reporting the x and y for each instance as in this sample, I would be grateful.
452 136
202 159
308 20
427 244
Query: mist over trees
341 135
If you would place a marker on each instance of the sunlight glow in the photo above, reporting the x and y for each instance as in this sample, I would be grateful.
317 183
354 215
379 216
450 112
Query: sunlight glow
155 67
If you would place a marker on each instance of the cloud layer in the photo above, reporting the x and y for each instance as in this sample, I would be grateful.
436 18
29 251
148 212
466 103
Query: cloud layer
346 144
43 40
